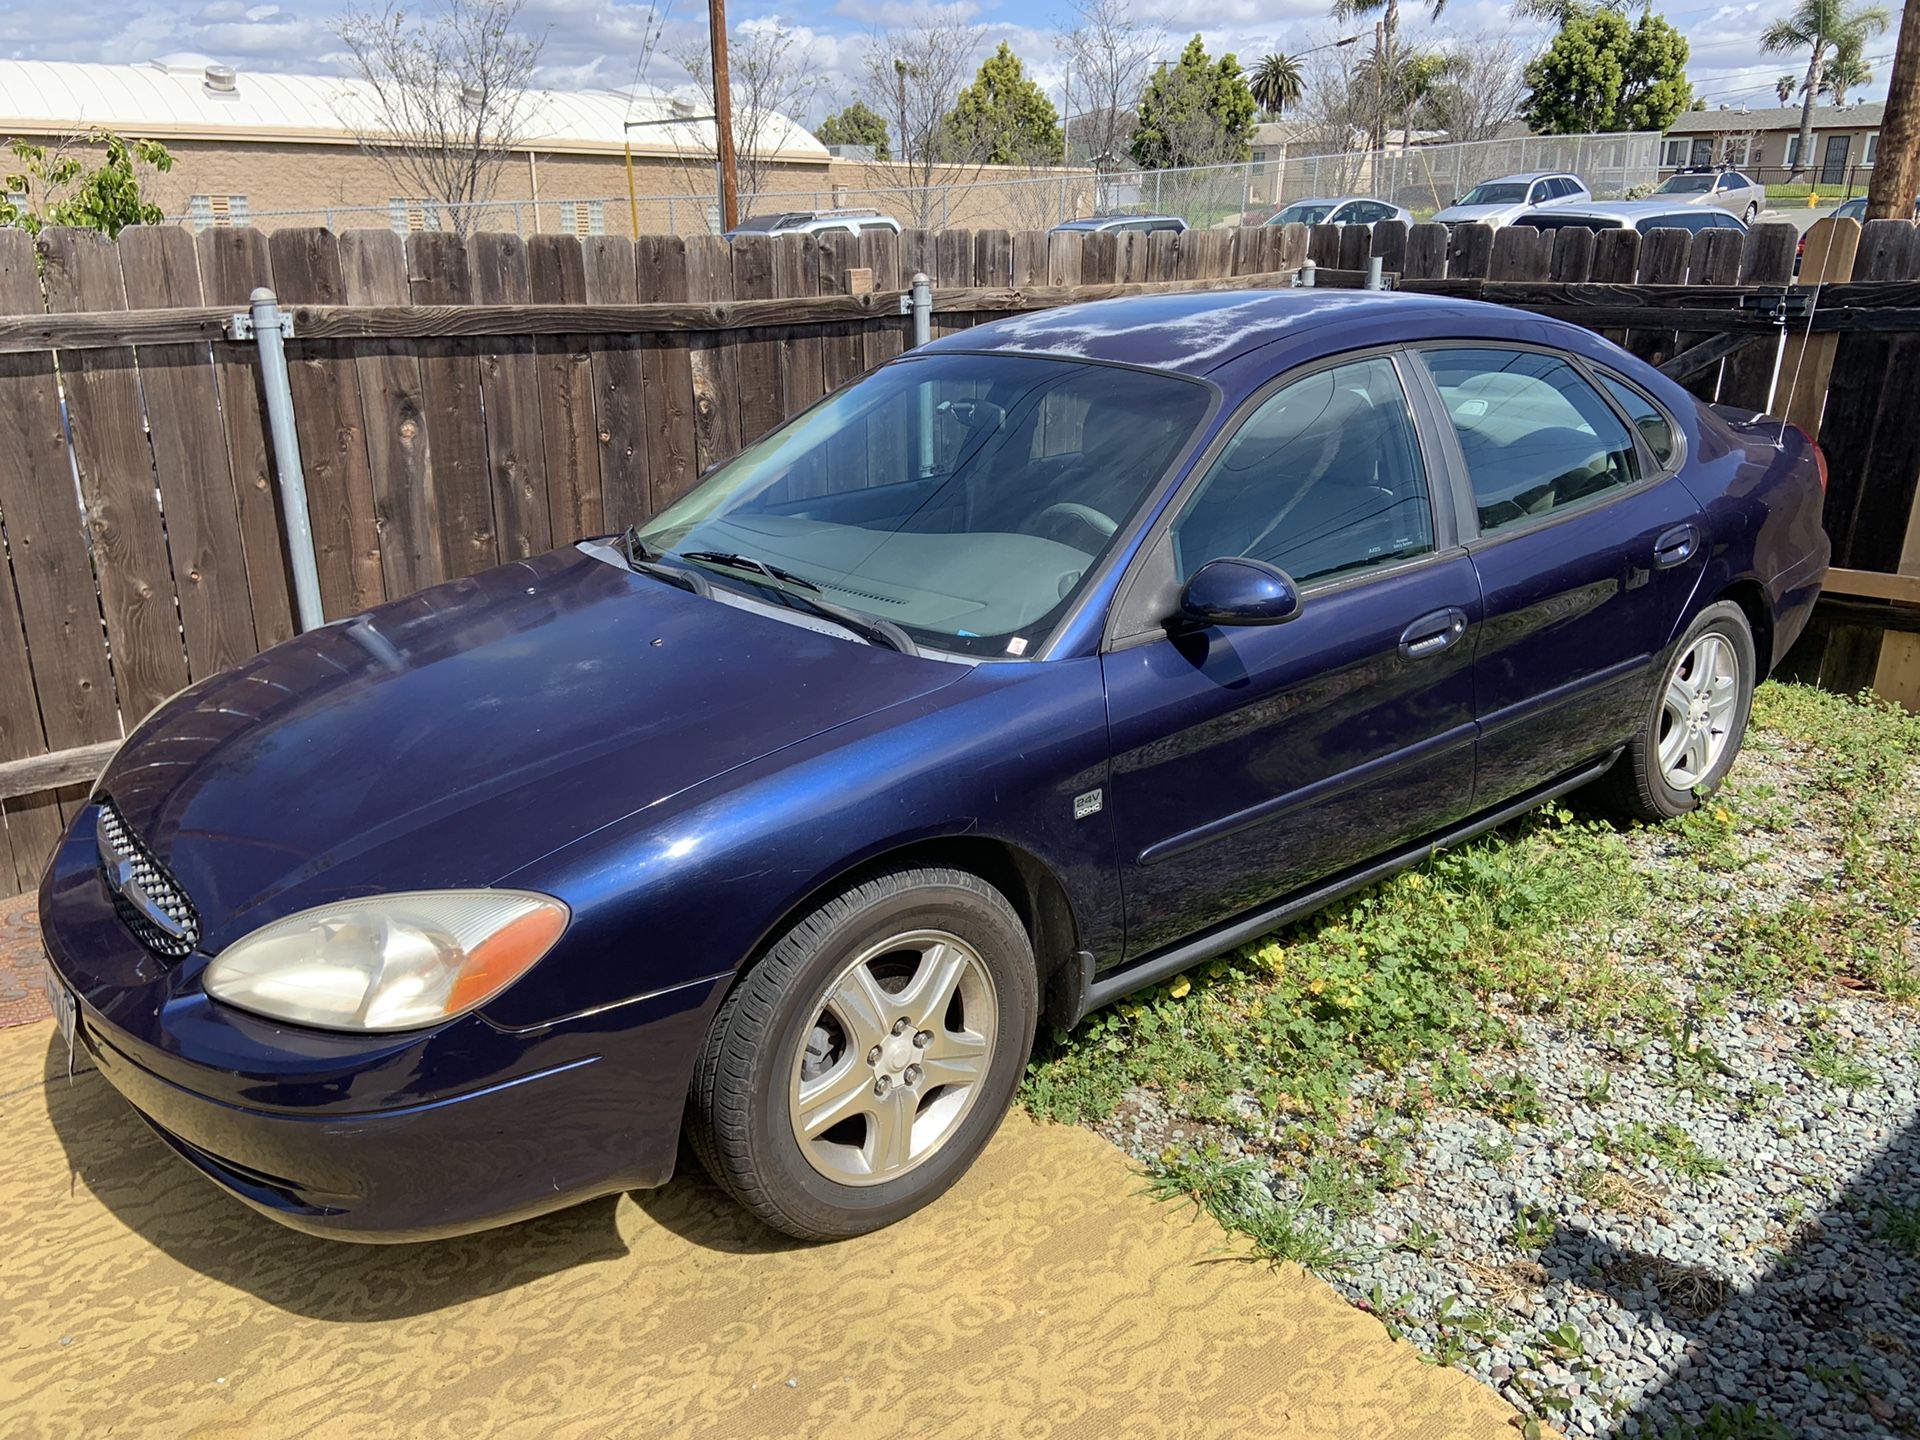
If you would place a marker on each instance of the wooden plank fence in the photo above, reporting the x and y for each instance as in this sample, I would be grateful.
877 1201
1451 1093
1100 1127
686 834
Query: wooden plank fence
460 403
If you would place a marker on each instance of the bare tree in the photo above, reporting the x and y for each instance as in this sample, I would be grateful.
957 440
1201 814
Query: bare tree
914 75
1109 54
442 102
775 79
1483 87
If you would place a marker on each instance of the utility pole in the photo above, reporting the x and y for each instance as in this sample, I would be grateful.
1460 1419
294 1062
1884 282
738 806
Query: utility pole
723 117
1896 165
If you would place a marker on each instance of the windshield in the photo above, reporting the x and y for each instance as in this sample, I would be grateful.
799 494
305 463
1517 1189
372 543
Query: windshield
1303 213
962 497
1495 192
1686 185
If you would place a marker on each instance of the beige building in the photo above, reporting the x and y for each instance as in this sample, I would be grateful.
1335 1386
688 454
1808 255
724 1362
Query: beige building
1765 143
278 150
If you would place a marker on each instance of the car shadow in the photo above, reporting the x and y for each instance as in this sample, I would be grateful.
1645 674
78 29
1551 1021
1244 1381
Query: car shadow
1827 1338
112 1153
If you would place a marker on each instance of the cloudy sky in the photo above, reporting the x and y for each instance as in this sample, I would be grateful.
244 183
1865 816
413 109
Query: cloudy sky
594 43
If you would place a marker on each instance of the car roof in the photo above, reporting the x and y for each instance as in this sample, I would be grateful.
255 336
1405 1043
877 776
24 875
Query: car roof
1528 175
1622 209
1199 333
1324 200
1094 222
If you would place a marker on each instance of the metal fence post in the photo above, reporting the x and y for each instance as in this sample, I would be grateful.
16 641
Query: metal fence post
269 328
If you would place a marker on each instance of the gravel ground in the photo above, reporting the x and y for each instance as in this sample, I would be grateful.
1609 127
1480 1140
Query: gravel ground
1702 1243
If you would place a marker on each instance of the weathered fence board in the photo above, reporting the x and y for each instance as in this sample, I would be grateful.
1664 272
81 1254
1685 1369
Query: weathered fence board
557 276
510 390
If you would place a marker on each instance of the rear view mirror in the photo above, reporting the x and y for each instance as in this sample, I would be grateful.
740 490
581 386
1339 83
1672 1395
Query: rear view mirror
1239 591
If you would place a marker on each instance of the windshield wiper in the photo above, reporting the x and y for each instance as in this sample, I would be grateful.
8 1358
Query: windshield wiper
875 629
645 562
748 562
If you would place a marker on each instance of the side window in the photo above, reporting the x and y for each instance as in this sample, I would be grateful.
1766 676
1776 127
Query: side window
1728 182
1539 193
1648 418
1535 435
1325 477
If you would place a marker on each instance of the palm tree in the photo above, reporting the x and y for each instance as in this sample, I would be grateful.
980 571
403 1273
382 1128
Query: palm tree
1848 70
1385 34
1276 83
1817 26
1783 87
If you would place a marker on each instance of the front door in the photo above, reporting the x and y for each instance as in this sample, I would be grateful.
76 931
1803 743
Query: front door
1833 160
1587 553
1249 762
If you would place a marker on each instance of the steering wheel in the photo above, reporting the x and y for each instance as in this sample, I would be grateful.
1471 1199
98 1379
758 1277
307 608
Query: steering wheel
1064 515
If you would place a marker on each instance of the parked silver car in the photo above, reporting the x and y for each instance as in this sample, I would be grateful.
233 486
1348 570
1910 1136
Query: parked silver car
1726 190
1497 202
1341 210
815 222
1642 215
1139 224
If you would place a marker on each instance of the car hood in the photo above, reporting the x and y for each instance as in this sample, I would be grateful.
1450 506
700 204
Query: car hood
1485 214
457 735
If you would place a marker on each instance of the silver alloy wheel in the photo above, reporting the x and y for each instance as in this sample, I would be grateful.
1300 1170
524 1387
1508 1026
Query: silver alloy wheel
1698 710
896 1055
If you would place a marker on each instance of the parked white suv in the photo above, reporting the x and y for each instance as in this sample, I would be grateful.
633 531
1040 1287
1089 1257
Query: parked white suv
1499 202
815 222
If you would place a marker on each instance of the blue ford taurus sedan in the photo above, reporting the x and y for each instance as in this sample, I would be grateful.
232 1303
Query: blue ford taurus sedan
1028 670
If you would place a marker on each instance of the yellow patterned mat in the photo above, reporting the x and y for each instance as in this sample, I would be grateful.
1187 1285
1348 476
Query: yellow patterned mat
1045 1296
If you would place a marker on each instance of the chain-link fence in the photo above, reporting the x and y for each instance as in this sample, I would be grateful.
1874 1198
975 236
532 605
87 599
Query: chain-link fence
1422 178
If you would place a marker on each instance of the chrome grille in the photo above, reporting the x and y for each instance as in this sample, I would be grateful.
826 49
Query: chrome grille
151 903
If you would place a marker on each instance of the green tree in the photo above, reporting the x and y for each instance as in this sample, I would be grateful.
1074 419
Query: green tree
1277 83
1848 70
1818 26
1197 112
56 186
1003 118
1602 73
856 125
1783 87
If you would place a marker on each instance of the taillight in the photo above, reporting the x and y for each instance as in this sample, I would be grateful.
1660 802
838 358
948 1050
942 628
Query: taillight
1819 455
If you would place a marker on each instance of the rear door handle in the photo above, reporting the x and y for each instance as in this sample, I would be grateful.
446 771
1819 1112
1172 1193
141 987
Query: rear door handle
1431 634
1675 547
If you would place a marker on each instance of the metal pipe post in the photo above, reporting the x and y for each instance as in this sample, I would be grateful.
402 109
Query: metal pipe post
270 336
1376 273
920 301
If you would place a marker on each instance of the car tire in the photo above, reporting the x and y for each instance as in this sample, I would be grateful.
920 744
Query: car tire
844 1000
1753 209
1694 723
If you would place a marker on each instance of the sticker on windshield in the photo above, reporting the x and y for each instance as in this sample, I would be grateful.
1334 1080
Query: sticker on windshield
1017 645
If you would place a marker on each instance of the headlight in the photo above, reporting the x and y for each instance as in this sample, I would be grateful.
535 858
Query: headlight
388 962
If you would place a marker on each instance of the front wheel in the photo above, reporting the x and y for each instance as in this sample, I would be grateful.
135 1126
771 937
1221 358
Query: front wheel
1690 737
859 1068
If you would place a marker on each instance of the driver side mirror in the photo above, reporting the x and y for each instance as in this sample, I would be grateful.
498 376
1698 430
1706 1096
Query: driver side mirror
1238 591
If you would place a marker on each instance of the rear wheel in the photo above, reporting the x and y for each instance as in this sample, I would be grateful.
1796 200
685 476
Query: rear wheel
859 1068
1753 209
1697 720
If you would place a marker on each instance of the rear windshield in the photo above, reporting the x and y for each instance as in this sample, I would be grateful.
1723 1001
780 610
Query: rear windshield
1686 185
1547 221
1303 214
760 224
1494 193
963 497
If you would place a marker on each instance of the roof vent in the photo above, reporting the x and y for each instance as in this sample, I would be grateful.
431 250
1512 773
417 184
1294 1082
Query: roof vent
220 79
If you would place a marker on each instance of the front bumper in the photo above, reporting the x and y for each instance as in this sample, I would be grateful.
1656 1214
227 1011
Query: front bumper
376 1138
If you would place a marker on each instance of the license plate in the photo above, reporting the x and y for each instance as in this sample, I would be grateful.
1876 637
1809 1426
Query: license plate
65 1013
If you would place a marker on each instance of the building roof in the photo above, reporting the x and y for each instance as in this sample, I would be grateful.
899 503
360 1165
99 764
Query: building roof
185 97
1864 116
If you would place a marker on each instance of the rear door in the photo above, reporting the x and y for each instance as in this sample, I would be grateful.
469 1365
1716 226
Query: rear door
1251 761
1586 547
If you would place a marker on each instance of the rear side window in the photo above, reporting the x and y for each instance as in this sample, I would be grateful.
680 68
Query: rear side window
1324 478
1536 436
1648 418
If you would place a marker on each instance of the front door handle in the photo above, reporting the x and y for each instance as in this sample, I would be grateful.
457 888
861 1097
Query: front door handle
1431 634
1675 546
